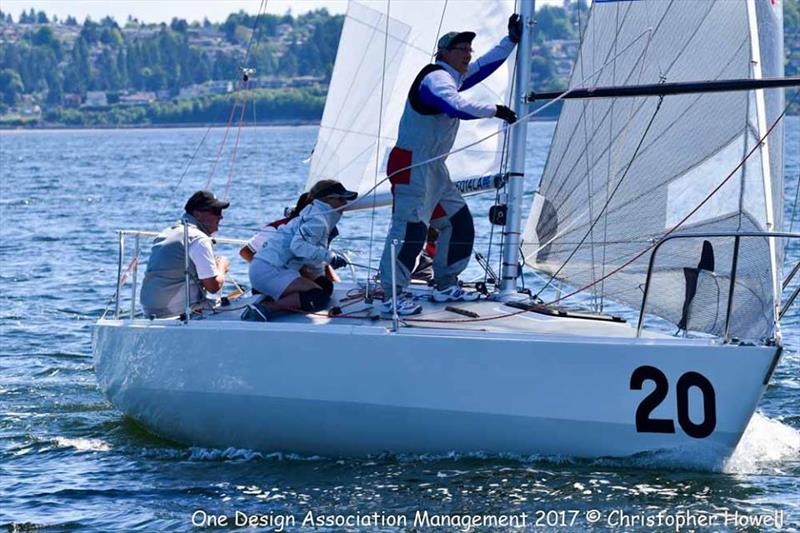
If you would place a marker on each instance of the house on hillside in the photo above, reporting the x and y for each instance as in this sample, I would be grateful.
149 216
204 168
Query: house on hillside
204 89
72 100
141 98
95 99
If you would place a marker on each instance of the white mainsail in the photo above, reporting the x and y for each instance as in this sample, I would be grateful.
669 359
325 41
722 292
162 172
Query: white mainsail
372 76
611 185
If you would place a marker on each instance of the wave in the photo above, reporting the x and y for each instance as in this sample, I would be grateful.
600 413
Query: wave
766 447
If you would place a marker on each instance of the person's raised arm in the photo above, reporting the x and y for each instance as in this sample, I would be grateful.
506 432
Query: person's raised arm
484 66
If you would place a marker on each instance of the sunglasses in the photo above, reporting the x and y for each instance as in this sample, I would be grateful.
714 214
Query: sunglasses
467 49
214 210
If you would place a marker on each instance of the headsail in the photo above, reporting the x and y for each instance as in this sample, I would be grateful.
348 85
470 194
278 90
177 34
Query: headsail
611 185
364 95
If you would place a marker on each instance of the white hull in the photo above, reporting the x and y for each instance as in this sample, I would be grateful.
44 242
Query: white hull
353 390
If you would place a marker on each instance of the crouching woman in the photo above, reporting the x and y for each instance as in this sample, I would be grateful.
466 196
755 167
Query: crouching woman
290 268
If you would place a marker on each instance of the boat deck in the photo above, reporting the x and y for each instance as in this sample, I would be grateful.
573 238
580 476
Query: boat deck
482 315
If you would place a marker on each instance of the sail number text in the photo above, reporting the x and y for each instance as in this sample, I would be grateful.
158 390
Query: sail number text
646 424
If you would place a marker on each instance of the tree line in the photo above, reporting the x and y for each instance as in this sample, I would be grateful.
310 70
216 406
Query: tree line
162 57
50 59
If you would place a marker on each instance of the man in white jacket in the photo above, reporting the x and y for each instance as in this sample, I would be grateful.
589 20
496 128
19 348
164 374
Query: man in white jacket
423 194
290 267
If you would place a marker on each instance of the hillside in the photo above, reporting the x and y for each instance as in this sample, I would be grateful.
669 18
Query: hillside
62 72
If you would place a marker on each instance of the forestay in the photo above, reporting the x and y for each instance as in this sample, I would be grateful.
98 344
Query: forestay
695 141
372 76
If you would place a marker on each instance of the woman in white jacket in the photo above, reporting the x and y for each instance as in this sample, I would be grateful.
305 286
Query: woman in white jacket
290 267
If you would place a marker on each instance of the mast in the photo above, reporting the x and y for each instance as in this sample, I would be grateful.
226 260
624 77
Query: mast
516 177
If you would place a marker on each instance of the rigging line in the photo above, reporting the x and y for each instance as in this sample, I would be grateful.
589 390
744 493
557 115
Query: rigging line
794 207
503 168
613 193
651 33
378 146
504 156
235 146
351 94
696 101
225 137
646 4
500 130
551 157
610 155
410 45
439 30
191 159
692 212
586 155
503 129
261 10
355 132
323 150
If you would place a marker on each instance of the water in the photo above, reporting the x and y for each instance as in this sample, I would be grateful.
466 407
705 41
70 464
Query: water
68 460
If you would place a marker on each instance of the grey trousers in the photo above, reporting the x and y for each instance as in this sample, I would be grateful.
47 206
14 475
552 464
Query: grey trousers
425 196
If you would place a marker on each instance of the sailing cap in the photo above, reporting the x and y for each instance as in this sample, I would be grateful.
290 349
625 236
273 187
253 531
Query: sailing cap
326 188
204 200
449 40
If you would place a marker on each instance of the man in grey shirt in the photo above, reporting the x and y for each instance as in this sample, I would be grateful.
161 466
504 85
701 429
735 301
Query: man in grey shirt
163 292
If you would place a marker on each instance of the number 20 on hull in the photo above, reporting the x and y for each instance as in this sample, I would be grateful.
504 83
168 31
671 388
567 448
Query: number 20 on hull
646 424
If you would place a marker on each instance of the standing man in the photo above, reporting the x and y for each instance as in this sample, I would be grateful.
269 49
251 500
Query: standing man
163 292
424 194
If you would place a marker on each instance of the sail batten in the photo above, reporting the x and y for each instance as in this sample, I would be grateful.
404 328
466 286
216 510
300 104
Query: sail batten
613 182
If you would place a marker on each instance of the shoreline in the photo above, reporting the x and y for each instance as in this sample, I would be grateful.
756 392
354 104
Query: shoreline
187 125
197 125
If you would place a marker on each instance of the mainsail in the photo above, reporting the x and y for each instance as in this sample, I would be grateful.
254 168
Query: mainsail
625 171
375 65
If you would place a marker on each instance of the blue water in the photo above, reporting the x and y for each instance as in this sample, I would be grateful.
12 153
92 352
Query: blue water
68 460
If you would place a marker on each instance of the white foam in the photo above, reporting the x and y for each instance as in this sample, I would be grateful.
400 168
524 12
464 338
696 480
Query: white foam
83 445
228 454
765 446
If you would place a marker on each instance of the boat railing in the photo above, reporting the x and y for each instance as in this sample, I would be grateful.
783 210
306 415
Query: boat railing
131 271
737 237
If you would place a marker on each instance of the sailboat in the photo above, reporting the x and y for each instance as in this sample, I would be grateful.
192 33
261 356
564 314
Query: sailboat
664 194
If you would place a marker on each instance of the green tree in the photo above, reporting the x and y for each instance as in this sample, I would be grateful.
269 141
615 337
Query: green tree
179 25
553 23
11 86
90 31
45 36
55 88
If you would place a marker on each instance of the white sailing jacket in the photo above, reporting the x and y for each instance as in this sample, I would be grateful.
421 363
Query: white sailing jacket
303 240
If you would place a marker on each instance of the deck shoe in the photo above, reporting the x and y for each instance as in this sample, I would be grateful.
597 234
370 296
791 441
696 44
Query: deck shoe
454 293
257 313
406 305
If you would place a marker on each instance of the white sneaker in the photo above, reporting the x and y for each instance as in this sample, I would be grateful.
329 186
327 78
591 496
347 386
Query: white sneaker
454 293
405 306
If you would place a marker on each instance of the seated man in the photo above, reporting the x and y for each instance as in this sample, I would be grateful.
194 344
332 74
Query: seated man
163 292
290 267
